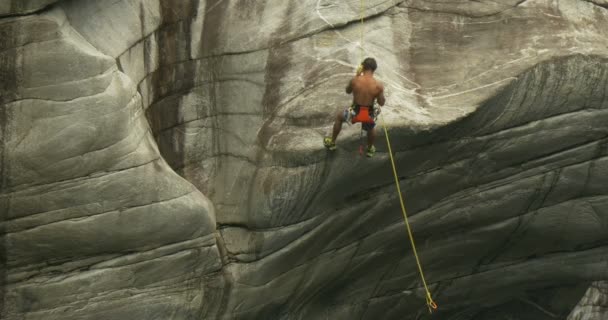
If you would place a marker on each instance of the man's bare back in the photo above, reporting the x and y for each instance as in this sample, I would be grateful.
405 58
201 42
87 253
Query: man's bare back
366 89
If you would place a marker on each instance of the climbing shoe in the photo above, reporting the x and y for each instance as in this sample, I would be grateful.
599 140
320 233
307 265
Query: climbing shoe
329 144
371 151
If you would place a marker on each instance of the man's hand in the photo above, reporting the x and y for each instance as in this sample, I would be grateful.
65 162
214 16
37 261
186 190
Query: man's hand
359 69
349 87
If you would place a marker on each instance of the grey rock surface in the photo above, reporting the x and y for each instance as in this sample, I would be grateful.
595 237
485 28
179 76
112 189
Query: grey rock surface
95 224
163 160
22 7
594 305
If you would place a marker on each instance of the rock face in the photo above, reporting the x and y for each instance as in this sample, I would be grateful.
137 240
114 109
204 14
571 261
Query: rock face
593 305
95 224
162 159
22 7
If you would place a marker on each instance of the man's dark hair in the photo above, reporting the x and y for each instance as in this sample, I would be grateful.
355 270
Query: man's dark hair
369 64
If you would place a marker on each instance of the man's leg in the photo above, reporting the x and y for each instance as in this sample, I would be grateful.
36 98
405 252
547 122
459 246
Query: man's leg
371 137
330 143
338 125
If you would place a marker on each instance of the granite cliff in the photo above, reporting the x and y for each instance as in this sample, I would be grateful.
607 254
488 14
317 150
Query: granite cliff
162 159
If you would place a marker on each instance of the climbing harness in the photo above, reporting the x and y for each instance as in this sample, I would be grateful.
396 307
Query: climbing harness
429 299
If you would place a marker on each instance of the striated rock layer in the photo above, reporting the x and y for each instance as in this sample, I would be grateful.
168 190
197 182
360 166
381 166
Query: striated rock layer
163 160
95 224
594 304
23 7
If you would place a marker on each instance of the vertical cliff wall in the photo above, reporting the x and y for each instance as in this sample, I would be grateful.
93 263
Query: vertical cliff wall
163 159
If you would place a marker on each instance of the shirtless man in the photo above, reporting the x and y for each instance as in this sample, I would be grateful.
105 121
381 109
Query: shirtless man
365 90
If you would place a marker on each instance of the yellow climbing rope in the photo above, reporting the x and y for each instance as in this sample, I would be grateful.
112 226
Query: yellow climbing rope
361 16
429 299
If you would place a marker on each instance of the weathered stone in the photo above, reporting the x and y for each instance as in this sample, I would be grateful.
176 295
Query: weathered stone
594 305
94 223
496 113
22 7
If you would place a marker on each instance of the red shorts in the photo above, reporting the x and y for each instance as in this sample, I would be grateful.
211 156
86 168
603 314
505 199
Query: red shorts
364 116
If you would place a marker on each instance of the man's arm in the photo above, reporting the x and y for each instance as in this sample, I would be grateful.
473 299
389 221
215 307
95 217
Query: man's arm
349 88
381 99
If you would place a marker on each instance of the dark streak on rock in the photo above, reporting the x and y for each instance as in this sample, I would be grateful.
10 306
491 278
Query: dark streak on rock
599 4
17 5
222 284
174 44
146 45
18 8
278 63
167 85
556 174
459 12
8 92
209 40
213 20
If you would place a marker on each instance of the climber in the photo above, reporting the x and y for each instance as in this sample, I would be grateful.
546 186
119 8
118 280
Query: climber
365 90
